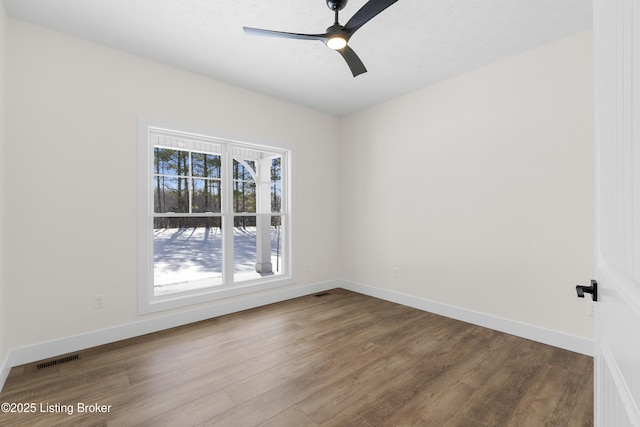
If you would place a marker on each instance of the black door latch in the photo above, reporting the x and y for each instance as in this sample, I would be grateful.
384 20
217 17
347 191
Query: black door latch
593 290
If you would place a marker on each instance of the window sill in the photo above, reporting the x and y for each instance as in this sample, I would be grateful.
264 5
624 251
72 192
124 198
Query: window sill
156 304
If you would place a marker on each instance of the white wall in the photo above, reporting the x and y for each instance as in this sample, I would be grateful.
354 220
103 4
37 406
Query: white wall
72 129
480 189
4 347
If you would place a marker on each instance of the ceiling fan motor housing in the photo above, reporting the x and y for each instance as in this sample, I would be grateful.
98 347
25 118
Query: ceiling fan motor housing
336 4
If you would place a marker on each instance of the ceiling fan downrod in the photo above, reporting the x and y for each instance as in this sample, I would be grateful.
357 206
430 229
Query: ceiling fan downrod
336 6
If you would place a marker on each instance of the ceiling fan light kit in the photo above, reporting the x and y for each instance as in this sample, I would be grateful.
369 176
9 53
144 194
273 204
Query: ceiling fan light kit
337 36
336 43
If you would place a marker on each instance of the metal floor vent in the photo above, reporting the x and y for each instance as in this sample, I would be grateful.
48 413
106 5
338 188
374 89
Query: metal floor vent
322 294
56 362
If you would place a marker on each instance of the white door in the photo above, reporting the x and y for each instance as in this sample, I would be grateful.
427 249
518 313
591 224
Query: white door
617 134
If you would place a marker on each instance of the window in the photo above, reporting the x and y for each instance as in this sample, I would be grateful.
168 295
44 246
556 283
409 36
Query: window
213 218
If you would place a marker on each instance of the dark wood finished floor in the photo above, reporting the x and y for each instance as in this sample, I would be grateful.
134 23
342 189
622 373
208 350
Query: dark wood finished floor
342 359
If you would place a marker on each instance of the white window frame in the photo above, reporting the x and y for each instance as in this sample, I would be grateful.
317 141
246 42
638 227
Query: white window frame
147 301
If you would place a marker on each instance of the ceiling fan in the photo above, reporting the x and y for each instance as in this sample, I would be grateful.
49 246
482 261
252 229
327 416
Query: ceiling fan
337 36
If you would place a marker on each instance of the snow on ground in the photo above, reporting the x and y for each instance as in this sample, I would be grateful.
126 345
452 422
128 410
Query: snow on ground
191 258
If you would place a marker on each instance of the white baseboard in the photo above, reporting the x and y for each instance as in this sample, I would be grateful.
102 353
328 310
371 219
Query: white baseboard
5 368
48 349
523 330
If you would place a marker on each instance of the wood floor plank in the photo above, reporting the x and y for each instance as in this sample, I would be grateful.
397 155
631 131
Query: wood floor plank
341 359
397 364
541 399
291 417
194 411
357 344
429 379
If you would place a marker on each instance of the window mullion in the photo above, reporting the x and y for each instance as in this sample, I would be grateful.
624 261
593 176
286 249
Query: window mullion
227 215
190 182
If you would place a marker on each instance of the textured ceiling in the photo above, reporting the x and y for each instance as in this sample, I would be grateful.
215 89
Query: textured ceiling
412 44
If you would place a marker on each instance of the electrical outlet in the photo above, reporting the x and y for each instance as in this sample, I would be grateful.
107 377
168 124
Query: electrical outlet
98 302
396 272
591 309
307 268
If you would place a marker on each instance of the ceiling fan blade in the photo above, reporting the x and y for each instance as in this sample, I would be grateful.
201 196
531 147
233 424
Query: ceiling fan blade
354 63
269 33
366 13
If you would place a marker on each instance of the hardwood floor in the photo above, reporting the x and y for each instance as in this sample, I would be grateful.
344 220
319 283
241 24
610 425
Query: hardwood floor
341 359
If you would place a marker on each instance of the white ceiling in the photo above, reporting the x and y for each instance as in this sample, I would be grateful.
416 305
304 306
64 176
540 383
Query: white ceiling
410 45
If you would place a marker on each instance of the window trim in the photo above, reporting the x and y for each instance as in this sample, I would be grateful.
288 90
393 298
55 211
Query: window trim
147 301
